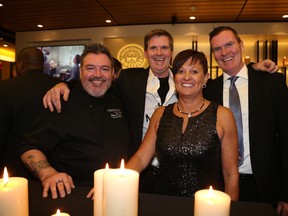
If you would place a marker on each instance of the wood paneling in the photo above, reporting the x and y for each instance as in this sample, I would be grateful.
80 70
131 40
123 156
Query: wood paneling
24 15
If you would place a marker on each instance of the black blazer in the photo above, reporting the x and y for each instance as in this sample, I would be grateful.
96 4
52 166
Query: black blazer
131 87
268 131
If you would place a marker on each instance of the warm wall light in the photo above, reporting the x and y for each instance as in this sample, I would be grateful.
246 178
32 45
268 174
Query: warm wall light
192 17
284 61
6 55
285 16
247 60
40 26
1 5
108 21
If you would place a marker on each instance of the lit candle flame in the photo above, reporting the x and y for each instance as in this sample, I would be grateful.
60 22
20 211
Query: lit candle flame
107 166
122 167
58 212
5 177
210 191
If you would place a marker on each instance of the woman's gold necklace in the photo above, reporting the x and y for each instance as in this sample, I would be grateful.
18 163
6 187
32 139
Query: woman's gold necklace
190 113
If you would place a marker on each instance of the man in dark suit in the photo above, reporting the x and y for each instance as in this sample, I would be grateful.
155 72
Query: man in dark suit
264 105
20 99
142 90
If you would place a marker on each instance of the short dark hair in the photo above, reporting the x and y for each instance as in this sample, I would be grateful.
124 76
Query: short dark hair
157 32
31 56
96 49
219 29
117 65
184 55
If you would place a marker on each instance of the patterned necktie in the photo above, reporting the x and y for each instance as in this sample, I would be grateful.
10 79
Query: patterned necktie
235 107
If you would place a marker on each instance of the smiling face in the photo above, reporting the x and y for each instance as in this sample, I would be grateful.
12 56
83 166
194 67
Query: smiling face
190 78
96 74
159 55
227 52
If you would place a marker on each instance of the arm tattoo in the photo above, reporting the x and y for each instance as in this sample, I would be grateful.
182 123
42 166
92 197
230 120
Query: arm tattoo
36 166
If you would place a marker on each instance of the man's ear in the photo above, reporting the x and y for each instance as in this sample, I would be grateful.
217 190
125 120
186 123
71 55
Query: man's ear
20 68
20 64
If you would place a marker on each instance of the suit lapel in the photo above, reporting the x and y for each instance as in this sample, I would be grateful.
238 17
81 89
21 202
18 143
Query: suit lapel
253 97
214 90
219 93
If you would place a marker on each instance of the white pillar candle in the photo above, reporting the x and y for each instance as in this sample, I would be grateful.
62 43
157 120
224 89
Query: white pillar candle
120 192
58 213
209 202
13 196
98 190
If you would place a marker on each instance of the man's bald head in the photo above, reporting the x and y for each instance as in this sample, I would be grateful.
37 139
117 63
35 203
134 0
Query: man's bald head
29 58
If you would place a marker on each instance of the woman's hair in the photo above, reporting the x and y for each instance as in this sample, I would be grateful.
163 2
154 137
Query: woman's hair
184 55
117 65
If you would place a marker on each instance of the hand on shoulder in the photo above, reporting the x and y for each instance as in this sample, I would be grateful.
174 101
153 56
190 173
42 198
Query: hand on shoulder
267 65
52 98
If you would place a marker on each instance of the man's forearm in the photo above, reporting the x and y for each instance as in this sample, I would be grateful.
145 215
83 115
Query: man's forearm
37 163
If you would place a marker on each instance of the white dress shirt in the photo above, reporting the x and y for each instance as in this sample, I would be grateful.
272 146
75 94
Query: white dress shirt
153 100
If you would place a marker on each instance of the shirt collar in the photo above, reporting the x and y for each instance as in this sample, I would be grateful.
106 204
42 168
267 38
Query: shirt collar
243 73
153 78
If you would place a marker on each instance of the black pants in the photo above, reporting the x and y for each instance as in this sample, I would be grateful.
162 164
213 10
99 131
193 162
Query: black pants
148 180
247 188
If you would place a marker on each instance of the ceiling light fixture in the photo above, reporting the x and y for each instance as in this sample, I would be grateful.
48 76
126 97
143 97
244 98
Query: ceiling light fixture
108 21
40 26
193 8
5 45
1 5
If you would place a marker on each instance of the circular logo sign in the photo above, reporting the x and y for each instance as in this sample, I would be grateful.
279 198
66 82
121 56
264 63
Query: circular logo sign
131 56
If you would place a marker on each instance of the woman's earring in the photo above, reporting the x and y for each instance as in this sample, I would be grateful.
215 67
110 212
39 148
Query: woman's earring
204 86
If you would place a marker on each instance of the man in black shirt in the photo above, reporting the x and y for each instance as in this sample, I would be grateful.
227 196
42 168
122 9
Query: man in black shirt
20 100
65 149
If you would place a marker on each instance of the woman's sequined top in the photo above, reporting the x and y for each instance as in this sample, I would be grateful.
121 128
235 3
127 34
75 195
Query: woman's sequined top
189 161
